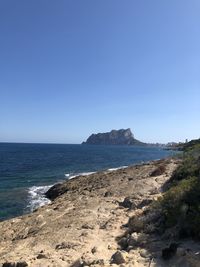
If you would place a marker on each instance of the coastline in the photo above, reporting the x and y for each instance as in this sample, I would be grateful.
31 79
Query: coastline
84 221
37 194
34 166
98 220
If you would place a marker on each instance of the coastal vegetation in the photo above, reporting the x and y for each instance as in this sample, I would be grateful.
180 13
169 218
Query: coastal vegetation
180 203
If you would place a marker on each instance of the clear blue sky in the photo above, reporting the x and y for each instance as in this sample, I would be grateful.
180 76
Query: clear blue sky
69 68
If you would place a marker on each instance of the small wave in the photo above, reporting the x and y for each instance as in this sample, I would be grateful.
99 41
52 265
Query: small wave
37 196
115 169
73 175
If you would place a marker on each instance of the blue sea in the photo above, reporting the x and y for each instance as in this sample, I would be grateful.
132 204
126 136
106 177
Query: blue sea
28 170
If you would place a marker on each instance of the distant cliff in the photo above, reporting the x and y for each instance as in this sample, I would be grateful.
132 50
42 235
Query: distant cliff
114 137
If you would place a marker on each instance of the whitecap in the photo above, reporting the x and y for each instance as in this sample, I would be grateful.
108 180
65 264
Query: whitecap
115 169
37 197
73 175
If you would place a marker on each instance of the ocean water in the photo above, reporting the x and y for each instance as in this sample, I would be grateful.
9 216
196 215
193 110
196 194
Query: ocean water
27 171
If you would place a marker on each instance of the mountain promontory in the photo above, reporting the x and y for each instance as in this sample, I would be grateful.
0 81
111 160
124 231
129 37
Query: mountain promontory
114 137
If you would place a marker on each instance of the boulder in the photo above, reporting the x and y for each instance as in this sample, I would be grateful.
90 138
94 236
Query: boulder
55 191
127 203
123 242
118 258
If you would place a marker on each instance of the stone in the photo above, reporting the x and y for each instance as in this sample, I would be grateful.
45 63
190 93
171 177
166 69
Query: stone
55 191
132 240
88 260
87 226
41 256
108 194
127 203
77 263
101 262
129 248
144 253
168 253
94 250
64 245
137 239
118 258
109 246
123 242
144 203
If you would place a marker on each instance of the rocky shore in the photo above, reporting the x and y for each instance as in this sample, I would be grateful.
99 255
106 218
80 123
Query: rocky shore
98 220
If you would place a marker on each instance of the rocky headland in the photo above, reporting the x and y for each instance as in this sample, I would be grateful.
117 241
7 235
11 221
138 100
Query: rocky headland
114 137
103 219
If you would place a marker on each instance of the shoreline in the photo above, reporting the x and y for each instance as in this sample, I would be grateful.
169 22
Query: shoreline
37 193
47 166
85 219
41 200
102 172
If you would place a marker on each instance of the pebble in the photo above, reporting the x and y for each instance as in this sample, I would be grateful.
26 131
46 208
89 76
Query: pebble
41 256
94 250
144 253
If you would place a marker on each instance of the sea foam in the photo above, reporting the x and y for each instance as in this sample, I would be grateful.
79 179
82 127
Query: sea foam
73 175
37 197
115 169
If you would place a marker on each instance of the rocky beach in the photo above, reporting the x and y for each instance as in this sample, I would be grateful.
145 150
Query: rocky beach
100 133
92 221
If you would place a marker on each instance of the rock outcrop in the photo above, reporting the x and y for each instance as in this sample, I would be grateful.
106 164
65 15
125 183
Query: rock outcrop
114 137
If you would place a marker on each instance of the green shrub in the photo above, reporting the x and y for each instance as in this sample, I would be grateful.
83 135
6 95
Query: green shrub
180 204
175 202
190 165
